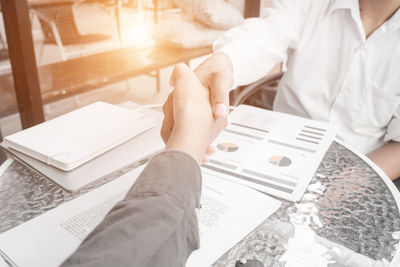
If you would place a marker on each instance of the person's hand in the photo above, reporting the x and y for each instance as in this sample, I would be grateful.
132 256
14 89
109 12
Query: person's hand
215 73
193 126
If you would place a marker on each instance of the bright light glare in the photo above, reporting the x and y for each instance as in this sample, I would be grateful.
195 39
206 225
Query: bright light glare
137 28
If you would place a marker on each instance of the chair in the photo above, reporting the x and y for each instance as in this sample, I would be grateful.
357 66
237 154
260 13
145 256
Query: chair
260 93
397 183
3 44
59 28
3 50
3 156
4 54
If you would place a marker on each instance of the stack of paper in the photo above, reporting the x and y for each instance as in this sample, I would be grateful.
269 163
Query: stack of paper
73 139
95 141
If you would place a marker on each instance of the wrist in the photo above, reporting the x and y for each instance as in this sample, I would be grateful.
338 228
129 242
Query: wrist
187 145
190 139
216 63
225 62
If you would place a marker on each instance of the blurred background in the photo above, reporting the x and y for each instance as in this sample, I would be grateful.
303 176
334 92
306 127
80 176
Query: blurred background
58 55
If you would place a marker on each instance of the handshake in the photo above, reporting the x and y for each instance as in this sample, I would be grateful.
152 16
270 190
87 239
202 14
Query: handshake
196 111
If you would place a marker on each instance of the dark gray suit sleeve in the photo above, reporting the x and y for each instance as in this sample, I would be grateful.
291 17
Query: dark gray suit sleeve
155 225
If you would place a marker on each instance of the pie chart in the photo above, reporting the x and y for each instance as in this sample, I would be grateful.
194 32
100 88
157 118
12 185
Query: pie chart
227 147
280 161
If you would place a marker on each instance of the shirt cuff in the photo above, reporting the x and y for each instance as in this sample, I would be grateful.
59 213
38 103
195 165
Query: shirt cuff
393 129
217 47
174 173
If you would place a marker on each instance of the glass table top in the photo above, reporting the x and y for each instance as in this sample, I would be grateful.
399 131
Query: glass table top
347 217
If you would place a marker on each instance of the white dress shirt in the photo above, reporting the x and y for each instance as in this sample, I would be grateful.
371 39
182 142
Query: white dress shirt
334 73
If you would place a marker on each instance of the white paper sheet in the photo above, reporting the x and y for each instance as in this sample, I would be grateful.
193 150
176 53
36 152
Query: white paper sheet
49 239
270 151
225 218
229 212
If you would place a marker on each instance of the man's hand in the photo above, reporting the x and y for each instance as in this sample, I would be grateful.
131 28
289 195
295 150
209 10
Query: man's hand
215 73
192 125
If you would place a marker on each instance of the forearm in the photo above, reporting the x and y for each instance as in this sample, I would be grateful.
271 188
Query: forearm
260 43
252 50
387 158
155 225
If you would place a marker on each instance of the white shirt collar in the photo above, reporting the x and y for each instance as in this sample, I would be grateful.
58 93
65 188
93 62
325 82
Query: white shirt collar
343 4
392 24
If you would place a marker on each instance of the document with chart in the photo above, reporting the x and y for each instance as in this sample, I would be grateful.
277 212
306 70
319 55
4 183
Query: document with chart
270 151
224 219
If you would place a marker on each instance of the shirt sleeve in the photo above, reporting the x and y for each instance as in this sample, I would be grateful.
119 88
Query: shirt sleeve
393 129
256 46
155 225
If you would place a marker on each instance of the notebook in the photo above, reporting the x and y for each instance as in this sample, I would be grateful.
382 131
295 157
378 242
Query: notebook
75 138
